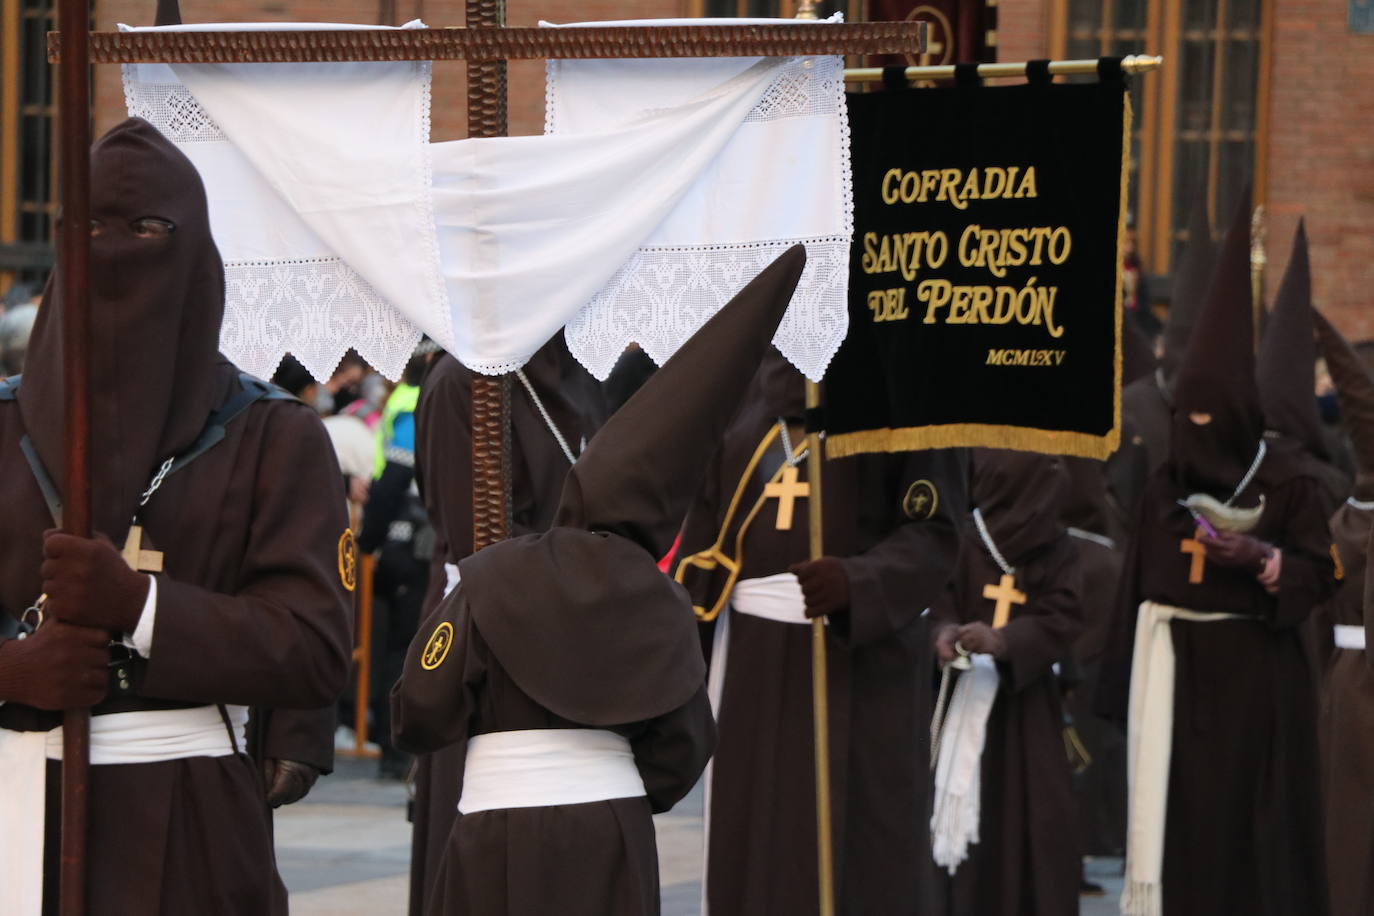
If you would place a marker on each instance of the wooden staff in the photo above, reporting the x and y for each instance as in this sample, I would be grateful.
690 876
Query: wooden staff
75 242
820 702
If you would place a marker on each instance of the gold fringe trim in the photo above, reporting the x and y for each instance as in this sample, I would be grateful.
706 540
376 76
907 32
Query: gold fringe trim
1127 117
973 435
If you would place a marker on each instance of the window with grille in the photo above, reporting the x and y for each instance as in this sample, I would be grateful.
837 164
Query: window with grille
1199 121
27 141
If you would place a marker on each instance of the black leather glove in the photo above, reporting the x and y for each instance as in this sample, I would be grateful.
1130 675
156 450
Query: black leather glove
287 781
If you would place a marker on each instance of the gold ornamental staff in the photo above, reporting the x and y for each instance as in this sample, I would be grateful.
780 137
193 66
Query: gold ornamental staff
820 707
1135 63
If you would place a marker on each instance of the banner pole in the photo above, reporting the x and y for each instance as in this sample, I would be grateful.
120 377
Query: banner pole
1135 63
820 705
74 145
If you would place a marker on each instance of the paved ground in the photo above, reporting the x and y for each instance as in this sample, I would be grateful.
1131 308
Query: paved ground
345 850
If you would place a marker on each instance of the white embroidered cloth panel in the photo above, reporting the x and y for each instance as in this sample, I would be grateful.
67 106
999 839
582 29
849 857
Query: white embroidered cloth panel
636 217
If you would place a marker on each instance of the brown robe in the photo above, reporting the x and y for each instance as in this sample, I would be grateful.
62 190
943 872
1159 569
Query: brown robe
593 636
251 611
252 606
1100 790
444 473
1243 828
1026 862
1346 727
761 856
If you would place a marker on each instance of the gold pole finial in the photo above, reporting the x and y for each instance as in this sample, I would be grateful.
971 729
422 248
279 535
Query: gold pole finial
807 9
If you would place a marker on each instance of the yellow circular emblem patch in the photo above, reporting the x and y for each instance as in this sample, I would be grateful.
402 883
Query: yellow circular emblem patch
348 560
436 649
921 500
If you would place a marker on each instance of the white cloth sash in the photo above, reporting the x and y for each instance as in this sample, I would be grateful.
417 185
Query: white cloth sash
542 767
778 598
150 736
1349 637
958 773
1149 747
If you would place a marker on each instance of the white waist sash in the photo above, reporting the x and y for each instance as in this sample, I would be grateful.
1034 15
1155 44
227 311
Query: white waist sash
1149 746
150 736
1349 637
542 767
778 598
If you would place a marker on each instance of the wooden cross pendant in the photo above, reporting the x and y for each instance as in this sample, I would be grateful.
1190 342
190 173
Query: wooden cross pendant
1199 554
139 559
787 491
1005 594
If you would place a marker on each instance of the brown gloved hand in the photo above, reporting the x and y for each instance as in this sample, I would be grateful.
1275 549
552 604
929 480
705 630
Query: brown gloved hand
945 638
979 637
59 667
824 585
1237 551
287 781
89 584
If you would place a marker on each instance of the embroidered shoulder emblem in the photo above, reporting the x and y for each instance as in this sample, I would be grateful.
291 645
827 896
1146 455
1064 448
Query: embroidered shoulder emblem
1336 559
436 649
921 500
348 560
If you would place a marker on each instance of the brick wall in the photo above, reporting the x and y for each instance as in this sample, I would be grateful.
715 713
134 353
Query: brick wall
1321 164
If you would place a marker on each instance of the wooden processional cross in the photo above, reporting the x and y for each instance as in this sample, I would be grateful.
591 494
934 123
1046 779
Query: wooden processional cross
486 45
787 491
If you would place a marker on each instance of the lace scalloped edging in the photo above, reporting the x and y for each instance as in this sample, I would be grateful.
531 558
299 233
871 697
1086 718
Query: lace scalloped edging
315 309
664 295
438 289
846 186
551 96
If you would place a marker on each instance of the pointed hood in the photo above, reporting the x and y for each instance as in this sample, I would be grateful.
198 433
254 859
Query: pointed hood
1355 389
1217 377
1192 277
1288 357
640 472
580 616
156 300
1022 497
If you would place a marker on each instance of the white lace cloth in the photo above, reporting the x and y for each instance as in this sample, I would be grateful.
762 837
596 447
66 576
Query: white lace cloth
319 190
956 809
783 178
340 225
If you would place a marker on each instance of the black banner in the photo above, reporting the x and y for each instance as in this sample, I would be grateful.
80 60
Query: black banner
984 277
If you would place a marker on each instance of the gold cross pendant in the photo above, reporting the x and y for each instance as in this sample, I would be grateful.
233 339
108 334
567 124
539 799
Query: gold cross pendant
1194 547
787 491
139 559
1005 594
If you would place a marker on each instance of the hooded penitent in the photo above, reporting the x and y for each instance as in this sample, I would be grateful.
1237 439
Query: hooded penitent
1355 389
592 581
1217 423
1021 497
1191 281
157 297
1288 356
